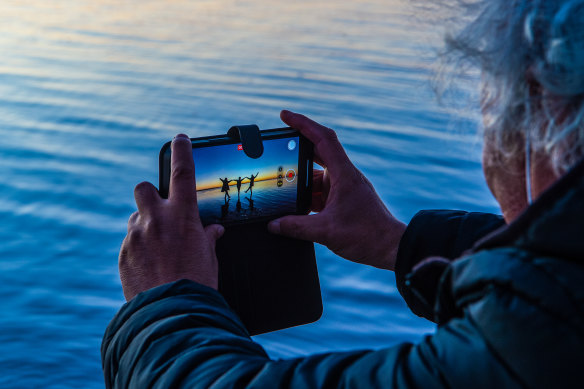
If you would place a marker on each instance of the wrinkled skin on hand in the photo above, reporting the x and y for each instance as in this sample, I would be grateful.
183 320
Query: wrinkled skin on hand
166 240
351 219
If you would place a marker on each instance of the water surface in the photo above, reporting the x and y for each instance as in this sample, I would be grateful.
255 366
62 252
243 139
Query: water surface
89 92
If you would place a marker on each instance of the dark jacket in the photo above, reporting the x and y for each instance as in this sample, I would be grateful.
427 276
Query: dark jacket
510 313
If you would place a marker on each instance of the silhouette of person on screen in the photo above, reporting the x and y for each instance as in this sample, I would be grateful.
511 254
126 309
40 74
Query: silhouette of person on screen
238 181
225 188
251 181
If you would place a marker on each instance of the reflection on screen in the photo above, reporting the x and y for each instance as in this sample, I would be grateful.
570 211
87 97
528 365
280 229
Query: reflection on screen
231 187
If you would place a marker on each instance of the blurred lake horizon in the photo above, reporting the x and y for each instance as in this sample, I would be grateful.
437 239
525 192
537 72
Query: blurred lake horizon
91 90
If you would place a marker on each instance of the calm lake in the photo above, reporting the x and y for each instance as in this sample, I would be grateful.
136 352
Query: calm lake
90 91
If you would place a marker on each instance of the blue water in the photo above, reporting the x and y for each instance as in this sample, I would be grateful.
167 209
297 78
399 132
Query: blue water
90 90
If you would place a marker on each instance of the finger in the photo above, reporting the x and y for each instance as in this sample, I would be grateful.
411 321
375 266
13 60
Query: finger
146 196
327 148
317 176
182 171
214 232
133 219
318 202
307 227
318 161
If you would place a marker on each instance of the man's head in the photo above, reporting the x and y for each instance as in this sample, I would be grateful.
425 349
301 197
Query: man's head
531 57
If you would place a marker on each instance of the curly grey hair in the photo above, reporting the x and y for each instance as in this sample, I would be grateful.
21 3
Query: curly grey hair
531 55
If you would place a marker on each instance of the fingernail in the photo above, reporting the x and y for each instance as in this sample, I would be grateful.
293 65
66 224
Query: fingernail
181 136
220 231
274 226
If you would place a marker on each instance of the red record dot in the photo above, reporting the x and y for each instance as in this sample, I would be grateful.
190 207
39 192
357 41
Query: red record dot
290 175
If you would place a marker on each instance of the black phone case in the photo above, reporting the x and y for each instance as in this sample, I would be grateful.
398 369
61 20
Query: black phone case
270 281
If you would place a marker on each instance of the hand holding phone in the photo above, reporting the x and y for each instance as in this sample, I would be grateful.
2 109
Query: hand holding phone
352 220
166 241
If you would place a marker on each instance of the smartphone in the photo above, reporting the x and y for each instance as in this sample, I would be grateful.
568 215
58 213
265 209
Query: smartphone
233 188
269 287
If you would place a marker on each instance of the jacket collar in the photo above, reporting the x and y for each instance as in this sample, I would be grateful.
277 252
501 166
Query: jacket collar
553 225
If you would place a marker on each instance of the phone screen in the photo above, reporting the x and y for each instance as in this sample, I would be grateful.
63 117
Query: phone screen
233 188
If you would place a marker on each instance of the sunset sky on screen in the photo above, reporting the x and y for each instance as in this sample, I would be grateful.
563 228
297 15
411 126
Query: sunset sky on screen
212 163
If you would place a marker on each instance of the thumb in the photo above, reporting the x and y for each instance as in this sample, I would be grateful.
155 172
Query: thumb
305 227
214 232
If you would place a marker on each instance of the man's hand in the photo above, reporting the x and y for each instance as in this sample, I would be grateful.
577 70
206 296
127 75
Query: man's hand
352 220
166 240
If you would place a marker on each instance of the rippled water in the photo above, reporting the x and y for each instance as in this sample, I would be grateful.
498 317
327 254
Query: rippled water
90 90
